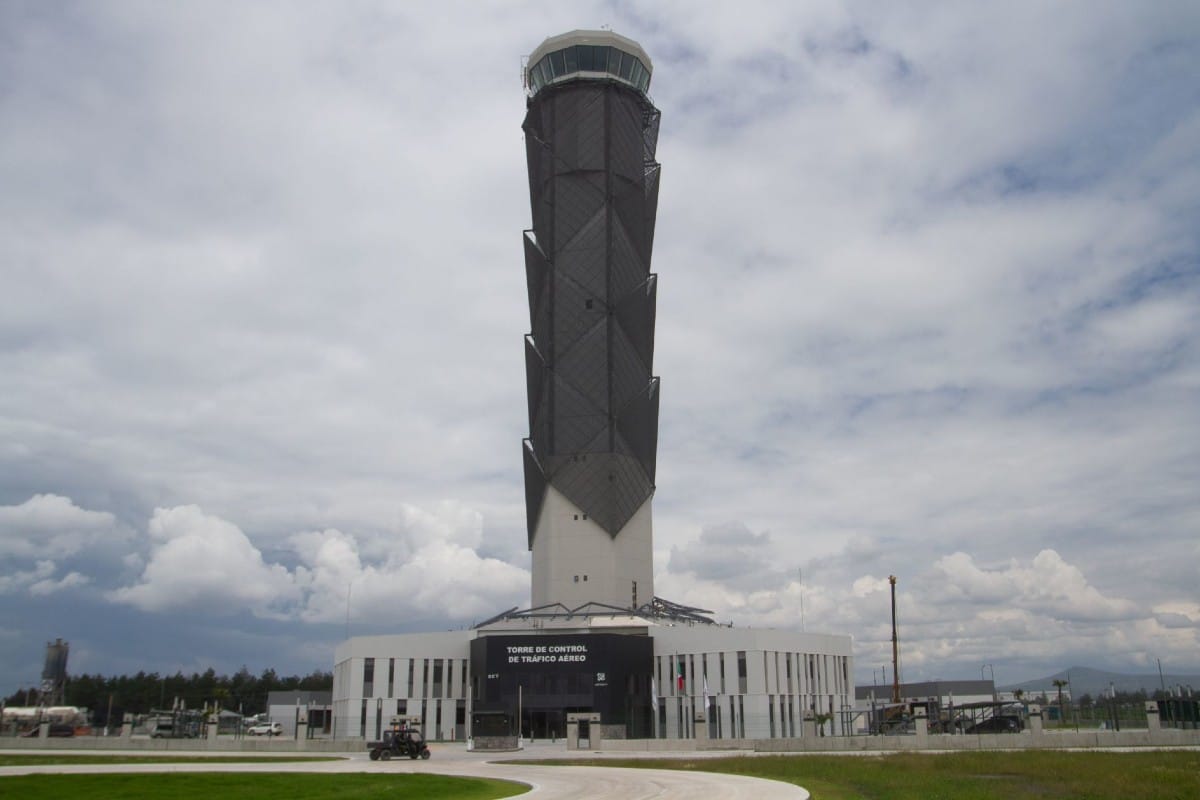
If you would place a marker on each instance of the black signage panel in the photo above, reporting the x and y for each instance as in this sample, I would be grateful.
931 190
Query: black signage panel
548 676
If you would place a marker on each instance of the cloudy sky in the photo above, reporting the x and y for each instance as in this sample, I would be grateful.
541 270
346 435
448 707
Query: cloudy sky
929 305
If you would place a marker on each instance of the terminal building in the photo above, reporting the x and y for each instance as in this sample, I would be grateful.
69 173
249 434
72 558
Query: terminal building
596 639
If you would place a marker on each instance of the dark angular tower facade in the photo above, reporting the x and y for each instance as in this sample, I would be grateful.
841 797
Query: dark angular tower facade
590 134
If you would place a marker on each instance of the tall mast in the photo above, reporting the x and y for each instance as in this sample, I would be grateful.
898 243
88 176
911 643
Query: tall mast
895 646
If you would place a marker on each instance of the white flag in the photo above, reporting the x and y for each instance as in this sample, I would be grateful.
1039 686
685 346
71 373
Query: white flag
653 695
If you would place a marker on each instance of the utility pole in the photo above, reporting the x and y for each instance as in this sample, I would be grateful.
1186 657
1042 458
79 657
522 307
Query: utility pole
895 646
1166 697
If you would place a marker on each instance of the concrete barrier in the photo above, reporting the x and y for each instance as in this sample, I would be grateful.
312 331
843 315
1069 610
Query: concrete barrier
222 744
1025 740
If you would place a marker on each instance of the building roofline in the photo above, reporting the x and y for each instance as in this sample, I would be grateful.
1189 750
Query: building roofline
657 612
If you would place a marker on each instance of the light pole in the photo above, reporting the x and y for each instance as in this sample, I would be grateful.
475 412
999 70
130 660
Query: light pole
993 671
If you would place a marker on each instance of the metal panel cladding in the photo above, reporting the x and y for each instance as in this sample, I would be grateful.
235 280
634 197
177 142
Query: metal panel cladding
593 398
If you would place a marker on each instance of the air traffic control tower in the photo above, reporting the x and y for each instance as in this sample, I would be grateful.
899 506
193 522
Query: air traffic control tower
597 641
590 137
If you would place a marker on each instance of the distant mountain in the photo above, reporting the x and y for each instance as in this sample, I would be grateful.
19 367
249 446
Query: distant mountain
1084 680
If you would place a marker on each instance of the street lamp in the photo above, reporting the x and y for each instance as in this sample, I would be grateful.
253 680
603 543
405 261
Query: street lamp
993 671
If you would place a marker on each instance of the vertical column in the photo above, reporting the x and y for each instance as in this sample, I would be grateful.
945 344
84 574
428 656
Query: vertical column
1153 722
1035 720
922 725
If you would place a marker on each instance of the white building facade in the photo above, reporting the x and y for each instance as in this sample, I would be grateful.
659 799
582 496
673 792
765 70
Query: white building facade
761 684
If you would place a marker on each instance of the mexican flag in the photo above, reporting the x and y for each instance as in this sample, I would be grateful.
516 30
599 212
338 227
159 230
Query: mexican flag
678 673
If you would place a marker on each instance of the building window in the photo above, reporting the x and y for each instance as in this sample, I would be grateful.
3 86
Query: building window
391 677
368 677
411 669
614 60
722 660
741 661
362 724
437 677
425 677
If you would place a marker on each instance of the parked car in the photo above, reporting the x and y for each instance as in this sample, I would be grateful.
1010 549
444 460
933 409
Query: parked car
55 729
265 729
1000 724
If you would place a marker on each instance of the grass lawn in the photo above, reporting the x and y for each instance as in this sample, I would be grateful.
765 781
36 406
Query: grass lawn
1165 775
259 786
28 759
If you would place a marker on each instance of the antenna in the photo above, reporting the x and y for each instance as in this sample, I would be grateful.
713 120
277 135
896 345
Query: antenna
802 627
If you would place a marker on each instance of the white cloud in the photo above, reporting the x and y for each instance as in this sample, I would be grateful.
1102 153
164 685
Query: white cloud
955 614
71 580
47 525
1048 585
207 565
1179 614
19 580
203 563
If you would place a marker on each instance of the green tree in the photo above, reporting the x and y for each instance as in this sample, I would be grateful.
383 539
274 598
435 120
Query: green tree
1059 683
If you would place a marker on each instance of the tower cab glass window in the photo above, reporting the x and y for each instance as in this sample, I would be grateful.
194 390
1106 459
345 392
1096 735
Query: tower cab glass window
588 58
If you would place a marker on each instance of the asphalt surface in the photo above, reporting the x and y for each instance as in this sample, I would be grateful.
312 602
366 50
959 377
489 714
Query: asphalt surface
547 783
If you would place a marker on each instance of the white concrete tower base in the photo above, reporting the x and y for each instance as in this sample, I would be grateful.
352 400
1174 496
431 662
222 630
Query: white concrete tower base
575 561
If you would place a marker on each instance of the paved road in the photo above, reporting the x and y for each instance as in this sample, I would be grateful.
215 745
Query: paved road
548 783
